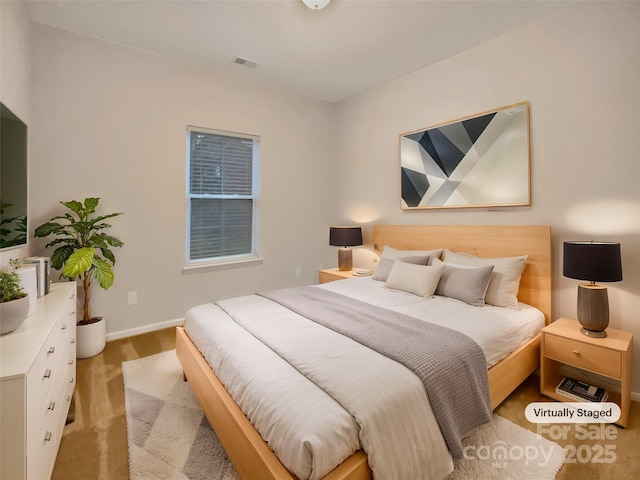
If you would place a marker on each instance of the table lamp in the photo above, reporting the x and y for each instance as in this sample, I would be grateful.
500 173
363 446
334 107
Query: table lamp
594 262
345 237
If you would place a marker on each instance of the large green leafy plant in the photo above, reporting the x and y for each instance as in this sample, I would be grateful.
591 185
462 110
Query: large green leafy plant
83 248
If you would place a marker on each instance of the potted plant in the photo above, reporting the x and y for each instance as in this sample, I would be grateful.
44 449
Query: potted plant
84 251
14 302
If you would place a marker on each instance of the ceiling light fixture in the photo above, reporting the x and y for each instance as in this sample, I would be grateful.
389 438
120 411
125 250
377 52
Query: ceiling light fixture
316 4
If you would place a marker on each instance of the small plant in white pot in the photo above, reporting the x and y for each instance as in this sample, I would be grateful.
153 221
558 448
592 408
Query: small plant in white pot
84 251
14 302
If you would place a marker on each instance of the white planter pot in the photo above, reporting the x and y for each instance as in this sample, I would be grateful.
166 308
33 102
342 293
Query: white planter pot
12 314
91 339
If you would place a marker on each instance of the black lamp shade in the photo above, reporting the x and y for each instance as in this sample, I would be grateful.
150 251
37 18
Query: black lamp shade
345 236
592 261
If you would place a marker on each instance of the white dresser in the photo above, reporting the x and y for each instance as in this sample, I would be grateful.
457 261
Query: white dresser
37 379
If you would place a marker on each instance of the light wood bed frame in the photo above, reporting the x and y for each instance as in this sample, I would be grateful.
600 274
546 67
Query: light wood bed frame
251 455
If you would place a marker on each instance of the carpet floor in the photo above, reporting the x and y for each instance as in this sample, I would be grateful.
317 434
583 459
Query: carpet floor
169 437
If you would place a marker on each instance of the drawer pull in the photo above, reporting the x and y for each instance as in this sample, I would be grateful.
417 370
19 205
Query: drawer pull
64 326
72 313
52 406
73 340
47 373
70 362
72 379
47 437
575 352
51 350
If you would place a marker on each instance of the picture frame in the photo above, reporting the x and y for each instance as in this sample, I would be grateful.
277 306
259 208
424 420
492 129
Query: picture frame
483 160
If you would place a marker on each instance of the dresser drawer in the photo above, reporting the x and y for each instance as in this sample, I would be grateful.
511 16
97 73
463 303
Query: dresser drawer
68 328
48 432
69 385
68 348
48 374
589 357
42 451
42 380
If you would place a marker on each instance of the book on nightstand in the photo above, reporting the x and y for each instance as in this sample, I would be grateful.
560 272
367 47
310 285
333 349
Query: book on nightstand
581 391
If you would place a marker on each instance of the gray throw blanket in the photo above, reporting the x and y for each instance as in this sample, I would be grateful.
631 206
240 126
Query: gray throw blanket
451 365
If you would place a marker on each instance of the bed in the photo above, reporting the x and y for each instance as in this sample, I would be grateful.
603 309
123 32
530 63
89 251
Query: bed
252 456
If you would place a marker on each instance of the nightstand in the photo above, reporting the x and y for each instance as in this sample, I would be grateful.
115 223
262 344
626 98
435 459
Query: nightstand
332 274
607 358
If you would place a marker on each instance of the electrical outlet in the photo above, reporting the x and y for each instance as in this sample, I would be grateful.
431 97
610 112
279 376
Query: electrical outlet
132 298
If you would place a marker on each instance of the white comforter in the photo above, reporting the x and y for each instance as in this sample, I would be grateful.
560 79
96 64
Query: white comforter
498 331
311 433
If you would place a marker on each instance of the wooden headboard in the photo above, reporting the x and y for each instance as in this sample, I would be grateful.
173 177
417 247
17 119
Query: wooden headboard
483 241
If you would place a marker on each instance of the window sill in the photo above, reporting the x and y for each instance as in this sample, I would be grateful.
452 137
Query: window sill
222 265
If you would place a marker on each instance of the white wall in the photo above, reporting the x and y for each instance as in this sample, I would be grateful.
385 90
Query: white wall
15 78
111 122
580 70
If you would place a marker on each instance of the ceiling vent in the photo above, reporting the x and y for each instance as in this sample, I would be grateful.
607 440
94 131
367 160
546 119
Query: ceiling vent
245 62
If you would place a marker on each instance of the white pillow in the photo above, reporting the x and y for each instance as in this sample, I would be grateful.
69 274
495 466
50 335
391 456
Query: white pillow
420 280
505 278
386 264
390 254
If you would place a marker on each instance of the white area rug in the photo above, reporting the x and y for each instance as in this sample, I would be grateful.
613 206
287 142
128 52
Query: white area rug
169 437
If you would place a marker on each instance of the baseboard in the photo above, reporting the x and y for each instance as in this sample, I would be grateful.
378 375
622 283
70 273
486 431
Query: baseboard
131 332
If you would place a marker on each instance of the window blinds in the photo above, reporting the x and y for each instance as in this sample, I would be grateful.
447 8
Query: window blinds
221 165
221 195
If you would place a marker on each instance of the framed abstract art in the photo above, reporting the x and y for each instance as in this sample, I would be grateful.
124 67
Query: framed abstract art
482 160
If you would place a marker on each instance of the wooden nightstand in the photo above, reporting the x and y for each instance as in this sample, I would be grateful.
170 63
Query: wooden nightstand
332 274
610 358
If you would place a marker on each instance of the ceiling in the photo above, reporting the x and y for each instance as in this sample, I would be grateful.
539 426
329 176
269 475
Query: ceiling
329 54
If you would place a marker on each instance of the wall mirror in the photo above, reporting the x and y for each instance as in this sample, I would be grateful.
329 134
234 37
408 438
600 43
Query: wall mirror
13 180
477 161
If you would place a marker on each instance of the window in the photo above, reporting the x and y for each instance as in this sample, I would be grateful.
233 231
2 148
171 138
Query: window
222 195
